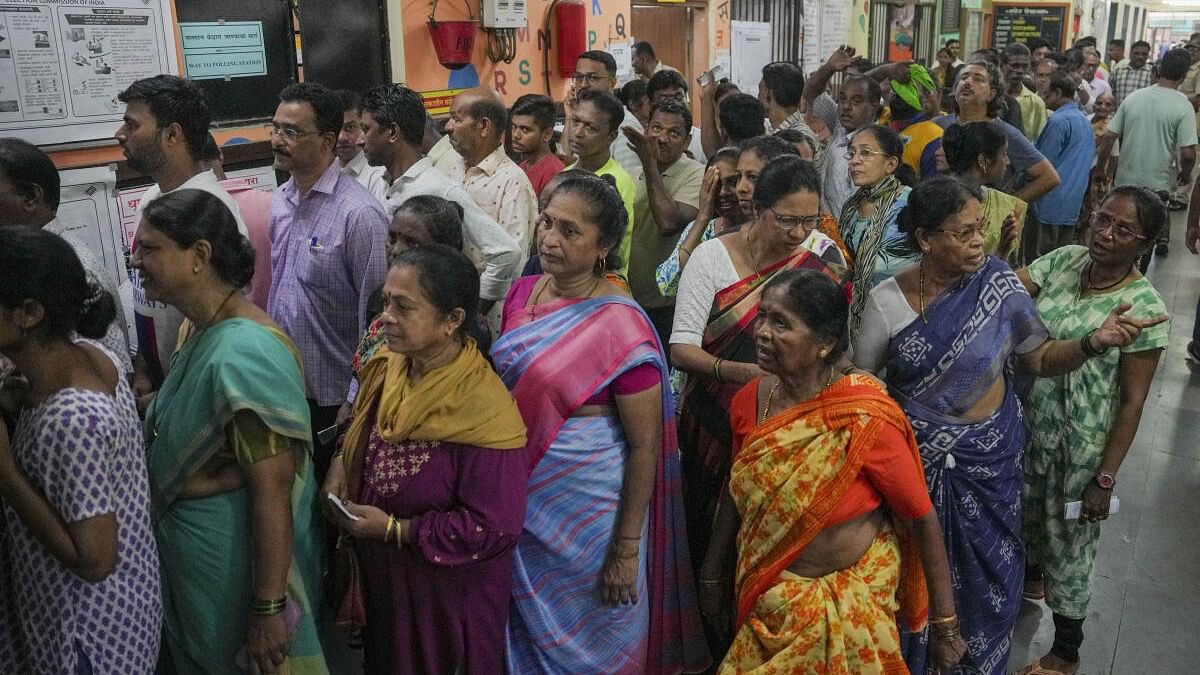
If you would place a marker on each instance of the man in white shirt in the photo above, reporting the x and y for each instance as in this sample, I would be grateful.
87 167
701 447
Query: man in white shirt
645 62
162 134
393 121
598 70
476 128
350 156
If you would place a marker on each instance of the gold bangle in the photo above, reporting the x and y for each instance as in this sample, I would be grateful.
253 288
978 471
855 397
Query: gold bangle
685 249
401 531
268 607
710 582
717 369
945 619
391 529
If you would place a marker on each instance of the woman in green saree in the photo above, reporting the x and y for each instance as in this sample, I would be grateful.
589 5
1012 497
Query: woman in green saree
228 454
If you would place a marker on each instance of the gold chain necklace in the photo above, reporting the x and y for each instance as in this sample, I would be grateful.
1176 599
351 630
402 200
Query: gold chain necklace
771 394
538 295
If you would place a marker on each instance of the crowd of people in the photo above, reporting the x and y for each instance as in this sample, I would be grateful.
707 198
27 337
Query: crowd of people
807 388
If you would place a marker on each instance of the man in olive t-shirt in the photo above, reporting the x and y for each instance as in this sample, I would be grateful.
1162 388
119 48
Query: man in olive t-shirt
668 198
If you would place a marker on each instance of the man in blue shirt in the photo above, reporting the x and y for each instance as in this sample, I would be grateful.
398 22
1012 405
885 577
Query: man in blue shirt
1068 143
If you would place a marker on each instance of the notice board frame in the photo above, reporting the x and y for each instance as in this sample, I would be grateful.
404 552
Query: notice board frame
999 6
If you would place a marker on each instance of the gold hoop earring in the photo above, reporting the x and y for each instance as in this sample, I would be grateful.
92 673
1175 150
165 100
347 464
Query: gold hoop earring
600 267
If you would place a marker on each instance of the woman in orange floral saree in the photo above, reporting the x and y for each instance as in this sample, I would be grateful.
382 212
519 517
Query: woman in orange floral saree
828 506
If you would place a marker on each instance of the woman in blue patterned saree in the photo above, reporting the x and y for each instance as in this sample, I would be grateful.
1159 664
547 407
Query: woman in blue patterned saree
952 333
602 577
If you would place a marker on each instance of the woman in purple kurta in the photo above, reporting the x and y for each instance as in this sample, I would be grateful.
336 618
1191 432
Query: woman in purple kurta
434 466
79 584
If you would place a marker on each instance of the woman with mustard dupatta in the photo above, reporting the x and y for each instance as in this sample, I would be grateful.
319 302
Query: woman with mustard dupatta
715 312
433 478
828 506
229 458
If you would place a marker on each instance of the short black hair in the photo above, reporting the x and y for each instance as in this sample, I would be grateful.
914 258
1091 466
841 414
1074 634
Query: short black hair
1074 58
326 105
785 175
725 87
442 217
448 280
1014 49
1036 43
1139 43
211 151
632 91
1174 64
606 103
1086 41
174 100
1117 42
351 100
665 79
933 201
41 266
673 107
490 108
785 81
742 117
793 135
951 41
643 48
1063 83
537 106
603 58
767 147
187 216
27 167
396 104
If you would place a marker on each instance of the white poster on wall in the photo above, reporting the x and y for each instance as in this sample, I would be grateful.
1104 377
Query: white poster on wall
63 62
750 50
622 53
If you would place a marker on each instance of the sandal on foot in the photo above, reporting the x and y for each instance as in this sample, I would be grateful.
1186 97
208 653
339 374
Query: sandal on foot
1036 668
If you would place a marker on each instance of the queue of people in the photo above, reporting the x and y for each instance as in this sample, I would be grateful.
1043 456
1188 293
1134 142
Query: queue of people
805 401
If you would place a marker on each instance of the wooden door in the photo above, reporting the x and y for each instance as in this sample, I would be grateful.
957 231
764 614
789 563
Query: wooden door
668 29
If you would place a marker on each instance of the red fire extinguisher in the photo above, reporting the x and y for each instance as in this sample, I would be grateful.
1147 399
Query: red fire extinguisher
571 26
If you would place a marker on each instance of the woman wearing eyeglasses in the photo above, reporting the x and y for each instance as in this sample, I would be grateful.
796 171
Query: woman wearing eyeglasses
868 220
715 313
952 331
1082 424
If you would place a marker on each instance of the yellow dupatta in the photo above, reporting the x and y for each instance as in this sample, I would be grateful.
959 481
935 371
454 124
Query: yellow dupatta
461 402
792 472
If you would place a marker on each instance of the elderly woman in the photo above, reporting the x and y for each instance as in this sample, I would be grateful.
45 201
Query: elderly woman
433 478
868 221
951 332
977 154
601 581
1082 424
228 454
712 341
825 469
78 570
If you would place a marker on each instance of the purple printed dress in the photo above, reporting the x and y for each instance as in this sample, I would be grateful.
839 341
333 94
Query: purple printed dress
82 450
440 604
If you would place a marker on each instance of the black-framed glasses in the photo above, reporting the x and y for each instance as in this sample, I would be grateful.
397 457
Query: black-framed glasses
590 78
789 223
289 134
1102 222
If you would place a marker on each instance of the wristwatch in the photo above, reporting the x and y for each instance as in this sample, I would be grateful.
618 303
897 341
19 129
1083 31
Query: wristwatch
1105 480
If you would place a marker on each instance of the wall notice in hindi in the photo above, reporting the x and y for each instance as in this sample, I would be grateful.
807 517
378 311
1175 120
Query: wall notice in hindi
214 50
62 64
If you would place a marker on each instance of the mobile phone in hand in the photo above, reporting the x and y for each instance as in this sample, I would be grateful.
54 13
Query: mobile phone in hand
341 506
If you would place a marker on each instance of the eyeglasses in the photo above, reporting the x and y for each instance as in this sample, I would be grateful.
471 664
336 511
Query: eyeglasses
864 152
290 134
789 223
590 78
967 233
1101 222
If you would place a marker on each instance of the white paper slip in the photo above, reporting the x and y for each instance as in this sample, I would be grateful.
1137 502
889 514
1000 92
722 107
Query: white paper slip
1072 510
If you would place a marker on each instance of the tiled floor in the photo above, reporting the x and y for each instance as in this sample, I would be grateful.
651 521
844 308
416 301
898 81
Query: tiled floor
1145 589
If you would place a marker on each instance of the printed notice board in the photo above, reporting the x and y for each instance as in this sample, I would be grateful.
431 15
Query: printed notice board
220 49
1018 22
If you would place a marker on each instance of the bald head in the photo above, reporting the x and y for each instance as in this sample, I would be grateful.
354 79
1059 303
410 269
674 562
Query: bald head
477 122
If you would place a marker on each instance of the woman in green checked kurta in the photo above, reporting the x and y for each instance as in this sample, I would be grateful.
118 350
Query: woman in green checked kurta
1084 422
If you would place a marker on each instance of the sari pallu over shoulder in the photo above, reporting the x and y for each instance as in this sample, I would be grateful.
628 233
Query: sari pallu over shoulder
792 472
552 366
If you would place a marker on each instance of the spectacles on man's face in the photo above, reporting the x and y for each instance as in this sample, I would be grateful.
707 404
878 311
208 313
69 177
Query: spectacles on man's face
789 223
864 152
289 134
1102 222
589 78
966 234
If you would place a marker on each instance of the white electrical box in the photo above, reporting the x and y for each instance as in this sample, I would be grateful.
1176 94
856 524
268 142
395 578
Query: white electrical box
505 14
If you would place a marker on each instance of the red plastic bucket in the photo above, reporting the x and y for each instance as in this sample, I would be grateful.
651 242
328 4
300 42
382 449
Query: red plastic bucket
453 41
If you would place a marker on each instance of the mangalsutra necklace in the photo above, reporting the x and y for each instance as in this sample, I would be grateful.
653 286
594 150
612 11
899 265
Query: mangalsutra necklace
537 296
771 394
1093 287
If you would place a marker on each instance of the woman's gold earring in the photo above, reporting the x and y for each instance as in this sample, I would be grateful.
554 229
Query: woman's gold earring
195 269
